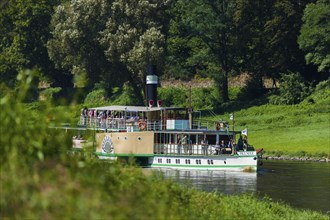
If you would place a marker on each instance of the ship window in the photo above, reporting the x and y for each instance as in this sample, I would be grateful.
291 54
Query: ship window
160 160
125 138
208 161
139 138
168 160
212 162
177 161
118 138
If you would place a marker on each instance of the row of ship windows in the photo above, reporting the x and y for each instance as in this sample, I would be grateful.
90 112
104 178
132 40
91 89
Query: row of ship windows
187 161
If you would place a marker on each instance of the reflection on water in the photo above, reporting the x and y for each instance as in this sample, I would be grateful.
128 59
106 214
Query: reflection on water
303 185
227 182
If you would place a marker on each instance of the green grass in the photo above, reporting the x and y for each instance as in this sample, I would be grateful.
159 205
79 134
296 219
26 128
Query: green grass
288 129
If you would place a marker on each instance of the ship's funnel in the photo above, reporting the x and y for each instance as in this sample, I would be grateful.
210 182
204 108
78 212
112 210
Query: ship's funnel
151 87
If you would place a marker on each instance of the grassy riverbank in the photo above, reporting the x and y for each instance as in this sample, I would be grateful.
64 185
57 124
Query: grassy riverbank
286 130
292 130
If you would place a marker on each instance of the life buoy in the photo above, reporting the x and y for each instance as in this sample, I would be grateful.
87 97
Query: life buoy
217 126
142 125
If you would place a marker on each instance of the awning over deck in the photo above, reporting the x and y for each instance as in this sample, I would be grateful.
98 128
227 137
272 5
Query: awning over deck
135 108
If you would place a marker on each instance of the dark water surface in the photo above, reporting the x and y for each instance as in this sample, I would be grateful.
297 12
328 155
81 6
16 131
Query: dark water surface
303 185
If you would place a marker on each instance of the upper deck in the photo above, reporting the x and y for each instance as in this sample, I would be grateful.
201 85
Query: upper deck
141 118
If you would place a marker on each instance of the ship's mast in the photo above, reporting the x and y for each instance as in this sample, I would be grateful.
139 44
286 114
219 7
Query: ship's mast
190 109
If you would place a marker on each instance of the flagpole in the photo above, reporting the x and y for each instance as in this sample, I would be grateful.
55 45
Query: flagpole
233 124
233 137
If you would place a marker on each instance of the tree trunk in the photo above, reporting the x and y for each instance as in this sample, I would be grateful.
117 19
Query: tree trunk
222 84
224 87
225 95
137 87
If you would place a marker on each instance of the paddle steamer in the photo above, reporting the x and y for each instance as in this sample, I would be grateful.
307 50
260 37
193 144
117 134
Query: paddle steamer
169 137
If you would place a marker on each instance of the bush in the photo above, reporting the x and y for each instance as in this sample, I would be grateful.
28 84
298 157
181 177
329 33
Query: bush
124 96
172 96
96 98
252 90
48 94
292 89
201 98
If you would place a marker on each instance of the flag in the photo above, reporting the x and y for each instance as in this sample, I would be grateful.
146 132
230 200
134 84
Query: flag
244 132
231 116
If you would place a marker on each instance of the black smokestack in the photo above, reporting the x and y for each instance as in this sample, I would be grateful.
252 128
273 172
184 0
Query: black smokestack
151 81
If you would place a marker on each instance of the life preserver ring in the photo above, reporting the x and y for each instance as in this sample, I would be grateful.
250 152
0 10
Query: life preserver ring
217 126
142 125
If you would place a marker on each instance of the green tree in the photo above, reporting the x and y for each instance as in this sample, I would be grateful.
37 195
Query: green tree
24 31
314 36
108 41
268 37
74 44
134 38
206 28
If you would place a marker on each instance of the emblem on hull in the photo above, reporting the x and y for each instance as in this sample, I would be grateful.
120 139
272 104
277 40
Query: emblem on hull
107 146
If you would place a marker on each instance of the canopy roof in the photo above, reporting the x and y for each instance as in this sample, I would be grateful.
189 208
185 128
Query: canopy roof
135 108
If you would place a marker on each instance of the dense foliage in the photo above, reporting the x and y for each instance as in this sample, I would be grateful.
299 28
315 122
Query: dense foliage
85 44
41 180
315 34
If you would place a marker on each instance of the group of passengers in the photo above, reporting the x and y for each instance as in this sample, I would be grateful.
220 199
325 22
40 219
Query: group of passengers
102 118
223 148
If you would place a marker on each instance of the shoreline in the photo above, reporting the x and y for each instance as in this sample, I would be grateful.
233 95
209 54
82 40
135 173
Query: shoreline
296 158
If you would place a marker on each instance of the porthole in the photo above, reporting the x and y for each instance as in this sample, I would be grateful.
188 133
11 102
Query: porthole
125 138
139 138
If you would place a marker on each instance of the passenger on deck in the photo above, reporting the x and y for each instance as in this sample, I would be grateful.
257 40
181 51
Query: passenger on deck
184 143
178 144
240 143
205 146
223 147
231 146
245 143
217 148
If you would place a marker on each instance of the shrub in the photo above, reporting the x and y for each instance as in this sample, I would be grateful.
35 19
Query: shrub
48 94
293 89
172 96
124 96
253 89
96 98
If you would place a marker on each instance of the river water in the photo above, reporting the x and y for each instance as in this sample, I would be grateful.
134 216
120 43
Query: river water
302 185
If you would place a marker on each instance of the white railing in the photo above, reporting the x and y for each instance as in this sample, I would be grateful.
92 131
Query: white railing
120 124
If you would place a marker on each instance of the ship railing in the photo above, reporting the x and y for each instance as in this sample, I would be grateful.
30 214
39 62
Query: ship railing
119 124
154 125
209 125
